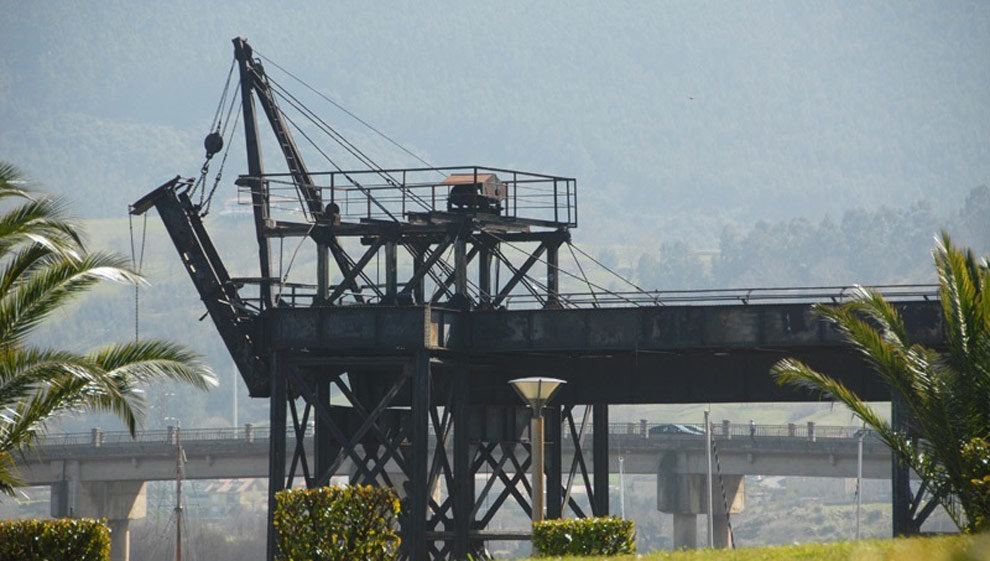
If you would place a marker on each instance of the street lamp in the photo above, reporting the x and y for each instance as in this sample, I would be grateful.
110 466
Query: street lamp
536 392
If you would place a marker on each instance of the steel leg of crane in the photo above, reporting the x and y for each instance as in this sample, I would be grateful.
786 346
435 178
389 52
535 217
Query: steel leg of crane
600 459
900 477
415 530
276 451
463 476
554 451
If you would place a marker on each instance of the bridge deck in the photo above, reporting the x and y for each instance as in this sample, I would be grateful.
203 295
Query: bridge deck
668 354
230 453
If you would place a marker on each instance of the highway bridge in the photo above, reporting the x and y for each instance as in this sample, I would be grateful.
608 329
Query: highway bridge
104 473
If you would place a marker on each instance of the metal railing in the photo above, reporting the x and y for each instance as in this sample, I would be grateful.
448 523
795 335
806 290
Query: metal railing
302 295
643 429
730 430
743 296
387 194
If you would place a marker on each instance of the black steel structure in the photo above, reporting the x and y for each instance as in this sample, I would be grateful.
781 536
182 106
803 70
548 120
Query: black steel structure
471 298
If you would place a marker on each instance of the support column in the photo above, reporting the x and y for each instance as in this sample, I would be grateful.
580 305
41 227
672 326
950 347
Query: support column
322 272
600 459
460 267
120 539
900 475
721 533
276 447
463 476
553 276
325 448
391 272
685 530
117 501
415 530
419 291
553 461
484 274
685 496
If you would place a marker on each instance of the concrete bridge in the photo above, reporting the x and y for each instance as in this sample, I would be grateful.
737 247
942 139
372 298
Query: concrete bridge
103 474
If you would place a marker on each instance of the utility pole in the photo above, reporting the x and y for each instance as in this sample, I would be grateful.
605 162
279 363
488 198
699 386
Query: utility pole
859 478
711 502
233 382
178 495
622 486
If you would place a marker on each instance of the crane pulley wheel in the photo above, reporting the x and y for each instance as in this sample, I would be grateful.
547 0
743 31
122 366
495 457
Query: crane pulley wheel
213 144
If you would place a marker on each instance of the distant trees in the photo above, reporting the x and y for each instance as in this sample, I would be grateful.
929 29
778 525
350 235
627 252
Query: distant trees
44 265
947 394
881 246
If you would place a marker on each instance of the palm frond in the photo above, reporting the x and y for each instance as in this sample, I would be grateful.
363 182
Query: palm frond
43 266
148 361
37 296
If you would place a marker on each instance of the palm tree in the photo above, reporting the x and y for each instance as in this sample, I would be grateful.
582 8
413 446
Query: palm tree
946 393
44 264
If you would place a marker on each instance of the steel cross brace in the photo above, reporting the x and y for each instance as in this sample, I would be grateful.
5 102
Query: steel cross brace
348 445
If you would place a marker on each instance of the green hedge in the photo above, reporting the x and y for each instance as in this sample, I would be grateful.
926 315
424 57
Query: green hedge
337 523
584 536
63 539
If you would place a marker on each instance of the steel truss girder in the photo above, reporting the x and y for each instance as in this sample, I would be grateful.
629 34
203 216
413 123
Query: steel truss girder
428 262
379 442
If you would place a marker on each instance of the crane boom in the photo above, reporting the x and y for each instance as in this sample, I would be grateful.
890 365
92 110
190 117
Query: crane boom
232 317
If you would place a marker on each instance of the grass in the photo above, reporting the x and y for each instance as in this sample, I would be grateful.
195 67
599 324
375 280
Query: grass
942 548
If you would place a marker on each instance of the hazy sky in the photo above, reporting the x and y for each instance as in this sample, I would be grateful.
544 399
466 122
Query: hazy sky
671 114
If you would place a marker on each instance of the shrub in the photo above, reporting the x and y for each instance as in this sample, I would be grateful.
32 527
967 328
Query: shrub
63 539
584 536
336 523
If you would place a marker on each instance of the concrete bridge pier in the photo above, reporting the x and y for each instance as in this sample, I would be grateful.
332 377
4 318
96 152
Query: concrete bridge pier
686 496
117 501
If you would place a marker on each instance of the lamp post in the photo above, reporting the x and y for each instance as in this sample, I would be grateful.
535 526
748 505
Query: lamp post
536 392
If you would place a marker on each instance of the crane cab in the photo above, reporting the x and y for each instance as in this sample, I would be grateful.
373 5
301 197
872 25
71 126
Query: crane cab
468 192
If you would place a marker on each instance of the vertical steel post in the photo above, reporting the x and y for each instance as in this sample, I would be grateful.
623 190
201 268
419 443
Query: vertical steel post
418 485
419 291
391 271
463 476
553 275
324 447
460 266
259 192
322 272
276 444
900 475
600 459
485 274
553 463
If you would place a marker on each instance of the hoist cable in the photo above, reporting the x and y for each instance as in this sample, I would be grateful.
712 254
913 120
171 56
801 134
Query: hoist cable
594 296
205 204
364 190
223 97
603 266
288 268
215 125
349 113
337 137
137 262
566 272
526 281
